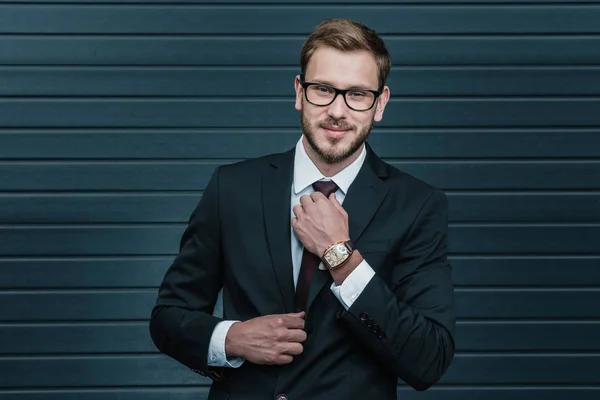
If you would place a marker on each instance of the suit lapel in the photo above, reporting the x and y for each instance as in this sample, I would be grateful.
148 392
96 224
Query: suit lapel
364 197
276 195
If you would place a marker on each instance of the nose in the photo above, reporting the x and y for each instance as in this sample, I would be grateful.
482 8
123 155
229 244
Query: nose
338 108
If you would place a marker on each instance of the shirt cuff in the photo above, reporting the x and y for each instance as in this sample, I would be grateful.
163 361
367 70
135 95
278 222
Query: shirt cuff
216 349
353 285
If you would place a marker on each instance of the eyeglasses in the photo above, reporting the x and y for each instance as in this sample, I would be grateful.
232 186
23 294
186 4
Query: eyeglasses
321 94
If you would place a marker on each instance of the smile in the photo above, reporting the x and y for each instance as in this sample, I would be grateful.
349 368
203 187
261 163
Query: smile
334 132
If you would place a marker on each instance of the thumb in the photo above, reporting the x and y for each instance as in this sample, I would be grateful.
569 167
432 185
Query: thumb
336 203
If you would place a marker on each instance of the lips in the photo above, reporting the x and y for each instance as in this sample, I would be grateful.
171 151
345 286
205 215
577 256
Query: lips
334 134
334 128
334 131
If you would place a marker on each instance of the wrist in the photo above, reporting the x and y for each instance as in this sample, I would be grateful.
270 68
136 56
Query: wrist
231 349
339 275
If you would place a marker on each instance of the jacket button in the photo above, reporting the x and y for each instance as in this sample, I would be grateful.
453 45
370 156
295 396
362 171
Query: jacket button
282 397
376 328
381 334
369 322
363 316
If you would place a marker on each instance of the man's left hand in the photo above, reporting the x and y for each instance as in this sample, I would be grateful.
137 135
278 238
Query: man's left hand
320 222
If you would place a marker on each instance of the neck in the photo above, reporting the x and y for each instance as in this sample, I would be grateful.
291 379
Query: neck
328 169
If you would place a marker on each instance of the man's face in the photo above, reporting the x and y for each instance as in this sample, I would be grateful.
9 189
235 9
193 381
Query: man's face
336 132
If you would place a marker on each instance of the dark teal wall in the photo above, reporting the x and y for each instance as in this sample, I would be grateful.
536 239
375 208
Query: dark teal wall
113 116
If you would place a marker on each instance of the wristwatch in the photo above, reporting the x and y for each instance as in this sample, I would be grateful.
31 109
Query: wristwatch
338 254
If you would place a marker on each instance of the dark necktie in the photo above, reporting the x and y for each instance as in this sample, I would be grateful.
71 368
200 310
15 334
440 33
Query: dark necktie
310 261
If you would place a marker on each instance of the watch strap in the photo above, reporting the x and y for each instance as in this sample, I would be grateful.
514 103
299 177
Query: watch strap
350 245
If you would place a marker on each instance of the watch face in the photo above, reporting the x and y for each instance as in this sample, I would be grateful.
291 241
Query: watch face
336 255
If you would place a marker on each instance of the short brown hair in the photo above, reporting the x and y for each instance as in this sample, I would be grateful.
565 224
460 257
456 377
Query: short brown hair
347 35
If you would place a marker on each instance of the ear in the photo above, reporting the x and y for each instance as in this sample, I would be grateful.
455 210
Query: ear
381 103
299 93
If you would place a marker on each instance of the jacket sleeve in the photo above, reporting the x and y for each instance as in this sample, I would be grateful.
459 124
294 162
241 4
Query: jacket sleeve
408 323
181 323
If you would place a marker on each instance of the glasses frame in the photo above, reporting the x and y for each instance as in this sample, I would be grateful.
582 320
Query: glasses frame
343 92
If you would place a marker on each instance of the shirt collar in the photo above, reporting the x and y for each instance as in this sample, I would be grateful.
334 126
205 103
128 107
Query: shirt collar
306 173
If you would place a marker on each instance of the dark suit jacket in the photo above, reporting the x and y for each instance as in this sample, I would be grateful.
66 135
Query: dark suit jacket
238 239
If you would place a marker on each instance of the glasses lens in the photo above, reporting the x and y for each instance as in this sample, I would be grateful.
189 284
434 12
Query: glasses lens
320 95
360 99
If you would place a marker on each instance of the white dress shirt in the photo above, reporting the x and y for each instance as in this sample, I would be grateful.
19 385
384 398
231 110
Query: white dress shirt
305 174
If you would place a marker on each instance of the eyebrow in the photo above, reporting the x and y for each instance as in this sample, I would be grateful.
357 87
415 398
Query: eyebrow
350 87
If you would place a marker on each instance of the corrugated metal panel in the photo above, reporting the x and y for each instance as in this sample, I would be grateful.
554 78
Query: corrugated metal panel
114 114
253 50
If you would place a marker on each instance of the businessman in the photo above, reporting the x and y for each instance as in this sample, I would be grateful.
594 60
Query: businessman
333 264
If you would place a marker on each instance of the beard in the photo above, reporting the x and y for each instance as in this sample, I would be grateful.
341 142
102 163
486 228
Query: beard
335 154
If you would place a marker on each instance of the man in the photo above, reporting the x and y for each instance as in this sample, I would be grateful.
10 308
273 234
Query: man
333 264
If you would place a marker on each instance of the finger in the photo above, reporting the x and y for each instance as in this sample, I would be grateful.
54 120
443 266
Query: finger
296 335
293 322
301 314
292 349
317 196
298 210
336 203
306 200
333 198
284 359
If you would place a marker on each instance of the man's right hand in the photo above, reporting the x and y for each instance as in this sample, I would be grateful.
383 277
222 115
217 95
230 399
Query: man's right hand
271 339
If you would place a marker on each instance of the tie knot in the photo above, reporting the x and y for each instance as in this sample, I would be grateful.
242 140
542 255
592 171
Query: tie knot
325 187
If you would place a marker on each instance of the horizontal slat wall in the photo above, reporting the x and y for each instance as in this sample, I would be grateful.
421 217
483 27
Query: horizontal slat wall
126 304
152 239
284 51
259 81
225 20
23 338
116 207
191 175
114 114
457 392
220 143
254 111
153 370
287 2
73 272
